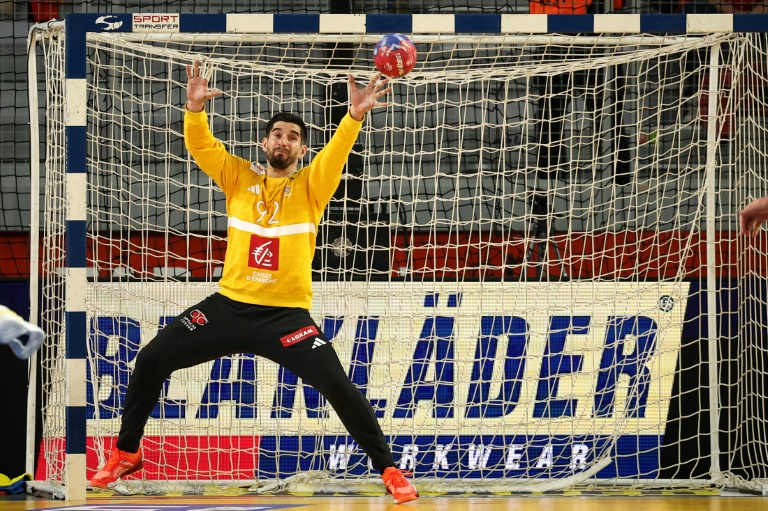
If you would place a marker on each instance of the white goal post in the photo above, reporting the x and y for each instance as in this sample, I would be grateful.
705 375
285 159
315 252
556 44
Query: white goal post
530 267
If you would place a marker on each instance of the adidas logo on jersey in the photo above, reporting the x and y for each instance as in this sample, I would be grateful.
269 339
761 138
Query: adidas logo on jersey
318 342
255 189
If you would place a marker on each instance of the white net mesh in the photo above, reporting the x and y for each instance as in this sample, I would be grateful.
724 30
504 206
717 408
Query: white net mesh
511 269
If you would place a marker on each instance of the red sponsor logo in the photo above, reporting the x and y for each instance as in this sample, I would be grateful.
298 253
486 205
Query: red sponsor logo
198 317
264 253
299 335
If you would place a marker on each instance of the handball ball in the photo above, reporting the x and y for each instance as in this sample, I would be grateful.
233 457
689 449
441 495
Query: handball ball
395 55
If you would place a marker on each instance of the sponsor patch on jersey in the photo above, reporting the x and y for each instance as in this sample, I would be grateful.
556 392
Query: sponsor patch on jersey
264 253
299 335
258 168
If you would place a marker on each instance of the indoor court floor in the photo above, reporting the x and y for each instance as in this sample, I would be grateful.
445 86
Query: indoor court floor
563 502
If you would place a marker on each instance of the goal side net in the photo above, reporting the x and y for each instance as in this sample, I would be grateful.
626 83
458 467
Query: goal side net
515 270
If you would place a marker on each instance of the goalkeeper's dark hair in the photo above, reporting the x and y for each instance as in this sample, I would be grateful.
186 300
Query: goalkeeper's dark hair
293 119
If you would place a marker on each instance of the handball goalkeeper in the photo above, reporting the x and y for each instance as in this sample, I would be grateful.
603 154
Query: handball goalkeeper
265 294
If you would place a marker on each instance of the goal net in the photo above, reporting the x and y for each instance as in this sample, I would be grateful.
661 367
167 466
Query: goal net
525 268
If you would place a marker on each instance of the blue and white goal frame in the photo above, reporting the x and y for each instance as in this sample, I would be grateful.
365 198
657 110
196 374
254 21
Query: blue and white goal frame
78 26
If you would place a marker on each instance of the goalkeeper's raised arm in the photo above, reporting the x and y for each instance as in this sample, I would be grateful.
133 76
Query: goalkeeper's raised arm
198 91
209 153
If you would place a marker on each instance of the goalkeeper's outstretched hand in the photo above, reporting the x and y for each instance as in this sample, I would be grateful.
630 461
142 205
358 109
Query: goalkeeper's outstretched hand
23 337
363 99
198 91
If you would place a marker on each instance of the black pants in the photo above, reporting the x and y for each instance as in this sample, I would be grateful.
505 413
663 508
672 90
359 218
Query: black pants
218 327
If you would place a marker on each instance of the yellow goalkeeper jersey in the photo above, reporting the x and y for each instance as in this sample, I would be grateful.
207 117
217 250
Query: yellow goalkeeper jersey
272 222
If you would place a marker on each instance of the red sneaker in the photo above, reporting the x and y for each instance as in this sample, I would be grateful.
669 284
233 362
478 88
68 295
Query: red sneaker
120 464
397 486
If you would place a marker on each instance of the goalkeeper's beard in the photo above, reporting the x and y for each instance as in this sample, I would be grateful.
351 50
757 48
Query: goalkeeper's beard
281 161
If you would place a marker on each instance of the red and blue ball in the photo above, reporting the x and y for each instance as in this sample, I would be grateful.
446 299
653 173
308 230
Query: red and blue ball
395 55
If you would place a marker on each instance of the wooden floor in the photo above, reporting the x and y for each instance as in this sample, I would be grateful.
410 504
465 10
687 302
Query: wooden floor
638 502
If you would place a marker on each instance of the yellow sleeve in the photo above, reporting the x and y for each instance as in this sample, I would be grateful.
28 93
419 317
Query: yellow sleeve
209 153
327 165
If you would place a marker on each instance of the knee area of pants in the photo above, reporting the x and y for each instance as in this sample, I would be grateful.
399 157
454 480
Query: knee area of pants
341 389
146 362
